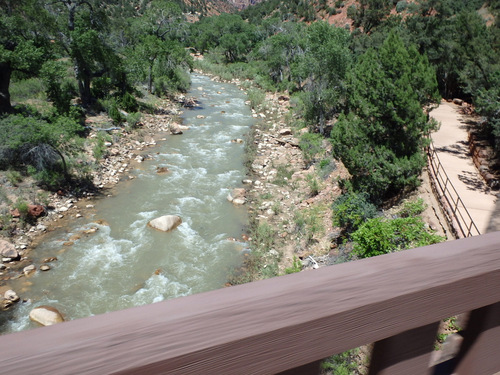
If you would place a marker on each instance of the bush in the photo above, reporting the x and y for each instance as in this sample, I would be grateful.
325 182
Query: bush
351 210
412 208
310 144
128 103
133 119
36 142
314 186
14 177
381 236
401 6
256 97
26 89
296 266
115 114
22 206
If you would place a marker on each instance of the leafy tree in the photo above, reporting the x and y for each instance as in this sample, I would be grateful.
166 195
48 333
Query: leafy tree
22 43
324 67
281 52
234 37
82 26
60 89
370 13
381 140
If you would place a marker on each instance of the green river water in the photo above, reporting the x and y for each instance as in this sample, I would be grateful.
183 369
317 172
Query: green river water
127 264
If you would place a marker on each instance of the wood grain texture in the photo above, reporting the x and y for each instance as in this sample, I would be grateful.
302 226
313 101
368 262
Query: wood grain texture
273 325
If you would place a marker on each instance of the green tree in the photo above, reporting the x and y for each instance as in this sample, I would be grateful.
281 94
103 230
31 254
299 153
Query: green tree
381 140
281 52
82 26
23 43
370 13
324 67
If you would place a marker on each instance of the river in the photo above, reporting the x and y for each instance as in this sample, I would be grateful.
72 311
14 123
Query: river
125 263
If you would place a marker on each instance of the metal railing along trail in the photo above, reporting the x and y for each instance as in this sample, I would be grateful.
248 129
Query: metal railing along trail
458 215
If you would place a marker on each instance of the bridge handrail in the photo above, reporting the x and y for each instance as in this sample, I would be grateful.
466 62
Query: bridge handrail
283 323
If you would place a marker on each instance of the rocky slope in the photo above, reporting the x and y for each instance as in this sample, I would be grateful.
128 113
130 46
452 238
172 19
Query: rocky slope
210 7
242 4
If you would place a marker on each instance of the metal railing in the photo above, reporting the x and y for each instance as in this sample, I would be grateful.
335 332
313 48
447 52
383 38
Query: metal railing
288 324
458 215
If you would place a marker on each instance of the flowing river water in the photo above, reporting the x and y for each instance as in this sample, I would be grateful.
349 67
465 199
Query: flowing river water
125 263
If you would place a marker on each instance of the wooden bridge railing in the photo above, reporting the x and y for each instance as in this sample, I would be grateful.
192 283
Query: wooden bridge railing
289 322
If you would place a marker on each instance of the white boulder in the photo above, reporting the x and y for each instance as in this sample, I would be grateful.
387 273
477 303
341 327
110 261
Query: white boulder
165 223
46 315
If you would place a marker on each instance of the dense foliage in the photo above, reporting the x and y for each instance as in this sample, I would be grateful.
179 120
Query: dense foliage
85 56
368 87
381 139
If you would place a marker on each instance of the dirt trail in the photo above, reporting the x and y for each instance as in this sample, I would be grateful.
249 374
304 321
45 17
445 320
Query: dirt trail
452 147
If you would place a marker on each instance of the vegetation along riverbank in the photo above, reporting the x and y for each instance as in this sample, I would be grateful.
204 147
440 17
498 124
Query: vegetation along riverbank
342 92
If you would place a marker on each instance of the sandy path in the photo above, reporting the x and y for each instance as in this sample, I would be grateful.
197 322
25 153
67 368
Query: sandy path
450 142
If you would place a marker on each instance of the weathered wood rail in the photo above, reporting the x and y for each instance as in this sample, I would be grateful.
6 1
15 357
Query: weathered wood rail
289 322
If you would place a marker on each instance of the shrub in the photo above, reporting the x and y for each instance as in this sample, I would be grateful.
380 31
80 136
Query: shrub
36 142
256 97
381 236
26 89
401 6
296 266
14 177
128 103
351 209
114 113
22 206
412 208
133 119
310 144
314 186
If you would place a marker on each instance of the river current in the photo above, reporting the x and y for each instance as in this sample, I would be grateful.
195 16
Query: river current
125 263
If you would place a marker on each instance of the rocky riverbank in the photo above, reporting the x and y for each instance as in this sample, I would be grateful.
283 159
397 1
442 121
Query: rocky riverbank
122 151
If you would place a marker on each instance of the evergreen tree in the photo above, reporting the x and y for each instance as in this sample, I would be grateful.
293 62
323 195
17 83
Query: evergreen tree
381 140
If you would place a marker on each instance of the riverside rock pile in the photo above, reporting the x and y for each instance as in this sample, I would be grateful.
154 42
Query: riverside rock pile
278 191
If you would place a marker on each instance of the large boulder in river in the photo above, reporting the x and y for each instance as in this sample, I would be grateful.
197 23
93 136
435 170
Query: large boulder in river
46 315
237 196
175 129
165 223
8 250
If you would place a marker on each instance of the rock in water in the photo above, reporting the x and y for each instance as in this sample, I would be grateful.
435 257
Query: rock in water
46 315
237 196
165 223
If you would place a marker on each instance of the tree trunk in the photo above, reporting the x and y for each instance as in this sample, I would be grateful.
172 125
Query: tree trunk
5 72
150 78
83 78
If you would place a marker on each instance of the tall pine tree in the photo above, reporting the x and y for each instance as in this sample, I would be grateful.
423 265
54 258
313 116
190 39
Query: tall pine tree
381 140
